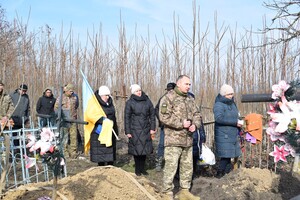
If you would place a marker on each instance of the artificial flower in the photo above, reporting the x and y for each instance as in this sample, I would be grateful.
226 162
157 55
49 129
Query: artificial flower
279 154
274 136
290 149
279 89
30 162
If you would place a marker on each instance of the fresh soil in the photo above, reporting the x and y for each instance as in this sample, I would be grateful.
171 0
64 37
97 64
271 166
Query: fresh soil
86 180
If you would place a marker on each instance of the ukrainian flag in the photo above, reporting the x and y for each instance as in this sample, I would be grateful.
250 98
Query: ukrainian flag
92 111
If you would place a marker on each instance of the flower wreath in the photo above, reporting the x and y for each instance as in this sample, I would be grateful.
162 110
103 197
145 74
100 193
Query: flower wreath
49 153
284 126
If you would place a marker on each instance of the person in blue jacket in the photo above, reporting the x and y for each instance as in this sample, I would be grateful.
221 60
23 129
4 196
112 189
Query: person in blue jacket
227 125
199 138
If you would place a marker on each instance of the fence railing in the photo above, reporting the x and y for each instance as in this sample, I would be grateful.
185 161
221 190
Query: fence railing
24 166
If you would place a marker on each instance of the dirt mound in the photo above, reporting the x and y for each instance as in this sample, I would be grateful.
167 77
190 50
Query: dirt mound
94 183
246 183
87 181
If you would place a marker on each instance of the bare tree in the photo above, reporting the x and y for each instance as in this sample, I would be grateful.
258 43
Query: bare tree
286 20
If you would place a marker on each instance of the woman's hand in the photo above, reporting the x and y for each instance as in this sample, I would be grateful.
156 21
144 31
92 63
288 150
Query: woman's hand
152 134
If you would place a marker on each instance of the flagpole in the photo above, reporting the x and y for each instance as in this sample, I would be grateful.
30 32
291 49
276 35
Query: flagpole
115 134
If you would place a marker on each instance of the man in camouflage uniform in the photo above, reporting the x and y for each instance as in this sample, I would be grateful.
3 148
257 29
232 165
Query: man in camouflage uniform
181 117
6 106
68 131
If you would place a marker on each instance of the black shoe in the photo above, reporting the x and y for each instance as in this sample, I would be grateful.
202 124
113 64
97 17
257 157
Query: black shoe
220 174
138 174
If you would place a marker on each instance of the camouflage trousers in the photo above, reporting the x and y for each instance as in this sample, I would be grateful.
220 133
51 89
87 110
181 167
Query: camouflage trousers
174 156
69 149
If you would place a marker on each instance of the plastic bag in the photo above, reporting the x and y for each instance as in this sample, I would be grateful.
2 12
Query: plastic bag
207 157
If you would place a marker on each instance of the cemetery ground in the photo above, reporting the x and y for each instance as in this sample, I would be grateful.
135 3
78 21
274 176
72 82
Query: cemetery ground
86 180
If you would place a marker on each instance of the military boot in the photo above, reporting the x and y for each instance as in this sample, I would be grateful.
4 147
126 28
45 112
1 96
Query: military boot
185 194
158 164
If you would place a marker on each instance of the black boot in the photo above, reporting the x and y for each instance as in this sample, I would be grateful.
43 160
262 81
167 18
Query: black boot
220 174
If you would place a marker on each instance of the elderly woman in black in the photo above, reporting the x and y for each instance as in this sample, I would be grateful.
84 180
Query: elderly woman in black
139 127
99 152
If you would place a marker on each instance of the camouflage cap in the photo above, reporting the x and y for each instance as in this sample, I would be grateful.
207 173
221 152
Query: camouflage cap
69 87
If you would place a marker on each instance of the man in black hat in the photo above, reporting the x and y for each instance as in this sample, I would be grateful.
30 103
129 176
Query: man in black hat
22 109
160 149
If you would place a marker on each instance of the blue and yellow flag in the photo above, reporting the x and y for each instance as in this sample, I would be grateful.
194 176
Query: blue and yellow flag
92 111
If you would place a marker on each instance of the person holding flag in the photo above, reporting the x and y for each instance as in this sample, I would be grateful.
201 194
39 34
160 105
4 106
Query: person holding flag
99 153
101 132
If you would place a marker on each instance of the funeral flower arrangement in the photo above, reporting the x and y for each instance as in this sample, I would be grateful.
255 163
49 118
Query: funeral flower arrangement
284 126
49 152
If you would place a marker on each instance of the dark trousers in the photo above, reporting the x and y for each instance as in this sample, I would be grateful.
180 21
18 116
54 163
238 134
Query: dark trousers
139 164
224 164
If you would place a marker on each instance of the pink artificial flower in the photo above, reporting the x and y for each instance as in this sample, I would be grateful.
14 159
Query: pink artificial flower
294 106
274 136
279 154
47 135
290 149
283 121
31 140
272 108
30 162
290 110
279 89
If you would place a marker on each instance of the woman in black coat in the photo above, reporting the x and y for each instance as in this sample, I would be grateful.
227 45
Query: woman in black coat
99 152
139 127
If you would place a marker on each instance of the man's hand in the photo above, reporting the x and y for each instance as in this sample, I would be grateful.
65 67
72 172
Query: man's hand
192 128
187 123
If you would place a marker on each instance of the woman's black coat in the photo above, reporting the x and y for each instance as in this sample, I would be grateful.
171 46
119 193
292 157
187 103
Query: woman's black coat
99 152
139 120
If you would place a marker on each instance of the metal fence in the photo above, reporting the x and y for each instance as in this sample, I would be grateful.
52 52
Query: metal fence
18 170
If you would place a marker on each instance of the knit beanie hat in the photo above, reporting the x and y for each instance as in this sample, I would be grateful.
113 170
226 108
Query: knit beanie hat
48 88
226 89
103 90
134 88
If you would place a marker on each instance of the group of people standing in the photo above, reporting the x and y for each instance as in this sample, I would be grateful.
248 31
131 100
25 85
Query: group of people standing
15 109
179 119
178 116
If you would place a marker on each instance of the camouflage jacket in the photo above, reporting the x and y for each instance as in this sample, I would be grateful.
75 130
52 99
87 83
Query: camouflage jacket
174 108
69 105
6 105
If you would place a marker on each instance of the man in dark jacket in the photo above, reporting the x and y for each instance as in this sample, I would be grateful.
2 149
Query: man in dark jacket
45 106
21 113
21 102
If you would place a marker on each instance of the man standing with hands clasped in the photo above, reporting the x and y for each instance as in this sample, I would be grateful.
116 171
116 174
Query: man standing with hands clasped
181 117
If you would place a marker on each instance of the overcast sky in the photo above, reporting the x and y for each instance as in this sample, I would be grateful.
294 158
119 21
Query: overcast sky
139 15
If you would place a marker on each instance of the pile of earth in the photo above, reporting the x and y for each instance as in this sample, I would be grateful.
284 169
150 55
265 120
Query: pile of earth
88 181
